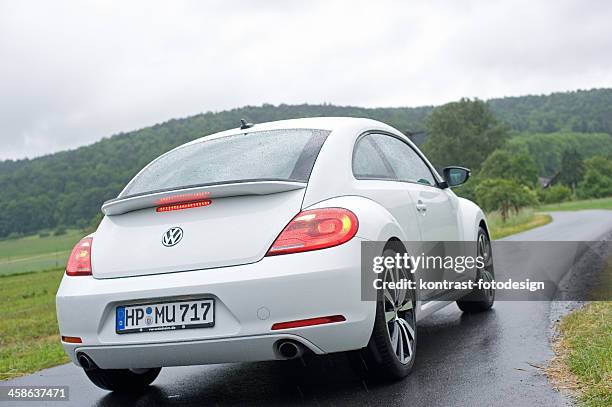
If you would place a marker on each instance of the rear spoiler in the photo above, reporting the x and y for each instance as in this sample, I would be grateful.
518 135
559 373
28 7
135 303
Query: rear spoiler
190 194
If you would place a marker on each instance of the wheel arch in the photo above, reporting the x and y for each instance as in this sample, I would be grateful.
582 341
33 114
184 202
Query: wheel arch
471 217
483 224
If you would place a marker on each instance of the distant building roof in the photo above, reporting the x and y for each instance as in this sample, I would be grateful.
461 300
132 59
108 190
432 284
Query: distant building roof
546 182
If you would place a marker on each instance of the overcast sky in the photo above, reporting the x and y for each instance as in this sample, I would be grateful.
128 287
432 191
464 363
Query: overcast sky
72 72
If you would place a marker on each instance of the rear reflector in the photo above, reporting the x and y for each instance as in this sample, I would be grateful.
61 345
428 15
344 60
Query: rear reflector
79 262
308 322
187 205
71 339
316 229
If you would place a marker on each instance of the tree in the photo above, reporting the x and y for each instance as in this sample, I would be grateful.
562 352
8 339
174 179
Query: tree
572 168
597 181
519 167
69 187
462 133
504 195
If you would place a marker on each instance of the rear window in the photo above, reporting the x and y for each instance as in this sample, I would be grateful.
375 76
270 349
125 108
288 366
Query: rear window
287 155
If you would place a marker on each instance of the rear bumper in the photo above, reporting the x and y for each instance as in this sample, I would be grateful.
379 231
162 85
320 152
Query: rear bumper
249 299
225 350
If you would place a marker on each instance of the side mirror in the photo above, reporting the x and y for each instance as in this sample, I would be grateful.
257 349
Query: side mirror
456 176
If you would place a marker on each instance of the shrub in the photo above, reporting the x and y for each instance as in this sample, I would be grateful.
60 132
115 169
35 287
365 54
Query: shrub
555 194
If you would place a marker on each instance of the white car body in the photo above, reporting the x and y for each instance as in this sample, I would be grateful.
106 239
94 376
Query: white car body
227 261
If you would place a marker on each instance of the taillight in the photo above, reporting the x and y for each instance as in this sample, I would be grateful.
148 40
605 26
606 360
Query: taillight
79 262
316 229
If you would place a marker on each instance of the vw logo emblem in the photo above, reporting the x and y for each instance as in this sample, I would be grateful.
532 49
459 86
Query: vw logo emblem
172 236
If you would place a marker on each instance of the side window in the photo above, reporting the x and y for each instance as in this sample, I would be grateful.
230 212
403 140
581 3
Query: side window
367 161
404 161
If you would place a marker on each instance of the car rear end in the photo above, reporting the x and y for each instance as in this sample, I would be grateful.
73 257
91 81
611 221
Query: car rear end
207 256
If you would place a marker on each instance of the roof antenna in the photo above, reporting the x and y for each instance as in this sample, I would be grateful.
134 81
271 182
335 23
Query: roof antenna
244 125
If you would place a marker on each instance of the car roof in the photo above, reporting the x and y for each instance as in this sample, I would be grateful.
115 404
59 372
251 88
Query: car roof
332 124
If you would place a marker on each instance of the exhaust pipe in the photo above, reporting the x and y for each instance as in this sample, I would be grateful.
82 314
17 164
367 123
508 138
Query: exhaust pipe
290 349
86 362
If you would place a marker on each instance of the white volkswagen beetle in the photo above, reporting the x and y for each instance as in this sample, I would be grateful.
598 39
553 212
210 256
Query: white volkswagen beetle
245 246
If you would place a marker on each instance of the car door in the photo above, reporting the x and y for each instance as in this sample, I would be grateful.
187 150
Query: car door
436 207
377 181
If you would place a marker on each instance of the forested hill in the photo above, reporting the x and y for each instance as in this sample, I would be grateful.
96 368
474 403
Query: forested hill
67 188
580 111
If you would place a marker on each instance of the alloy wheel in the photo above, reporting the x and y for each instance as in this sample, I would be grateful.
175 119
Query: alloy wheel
399 308
486 272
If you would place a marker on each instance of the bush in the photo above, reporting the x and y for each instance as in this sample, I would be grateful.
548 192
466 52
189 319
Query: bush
44 234
555 194
60 231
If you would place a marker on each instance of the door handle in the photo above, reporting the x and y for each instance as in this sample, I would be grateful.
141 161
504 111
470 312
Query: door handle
421 207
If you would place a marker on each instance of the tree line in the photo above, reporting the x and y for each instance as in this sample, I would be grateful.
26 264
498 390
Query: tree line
66 189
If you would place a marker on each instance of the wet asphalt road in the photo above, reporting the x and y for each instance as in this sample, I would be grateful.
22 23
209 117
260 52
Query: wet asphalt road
494 358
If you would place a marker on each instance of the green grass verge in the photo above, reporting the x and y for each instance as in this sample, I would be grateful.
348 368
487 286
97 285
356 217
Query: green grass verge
35 253
586 347
603 203
526 219
29 338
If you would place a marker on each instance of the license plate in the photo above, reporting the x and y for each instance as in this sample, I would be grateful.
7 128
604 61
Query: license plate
165 316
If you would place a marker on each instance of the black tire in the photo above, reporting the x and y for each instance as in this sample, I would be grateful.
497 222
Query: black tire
123 380
391 351
481 300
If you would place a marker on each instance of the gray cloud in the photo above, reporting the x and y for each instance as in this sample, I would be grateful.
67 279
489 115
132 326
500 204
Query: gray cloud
74 72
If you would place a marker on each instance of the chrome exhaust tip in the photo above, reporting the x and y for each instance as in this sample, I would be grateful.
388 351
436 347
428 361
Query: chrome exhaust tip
288 349
86 362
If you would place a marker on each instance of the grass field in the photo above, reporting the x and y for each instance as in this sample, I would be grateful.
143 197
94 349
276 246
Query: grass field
29 338
603 203
526 219
35 253
583 349
583 362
